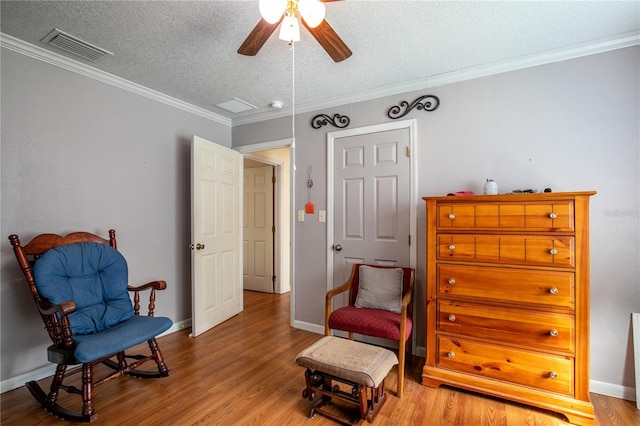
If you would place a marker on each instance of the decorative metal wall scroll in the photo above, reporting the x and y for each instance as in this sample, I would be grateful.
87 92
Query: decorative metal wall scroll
340 121
426 102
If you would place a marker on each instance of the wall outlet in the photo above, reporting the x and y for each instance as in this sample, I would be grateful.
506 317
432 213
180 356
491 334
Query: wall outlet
300 215
322 216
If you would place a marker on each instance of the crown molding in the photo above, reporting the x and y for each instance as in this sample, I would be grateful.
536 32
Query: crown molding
28 49
529 61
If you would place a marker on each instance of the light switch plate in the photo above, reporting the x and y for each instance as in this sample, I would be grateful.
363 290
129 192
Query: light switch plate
322 216
300 215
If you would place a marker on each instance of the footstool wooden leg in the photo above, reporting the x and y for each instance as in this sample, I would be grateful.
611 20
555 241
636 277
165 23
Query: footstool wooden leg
328 361
378 398
317 407
364 403
310 379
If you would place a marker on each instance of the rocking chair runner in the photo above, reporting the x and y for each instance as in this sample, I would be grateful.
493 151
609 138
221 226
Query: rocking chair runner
79 284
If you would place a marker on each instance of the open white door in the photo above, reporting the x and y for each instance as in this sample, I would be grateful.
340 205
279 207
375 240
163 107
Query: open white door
216 234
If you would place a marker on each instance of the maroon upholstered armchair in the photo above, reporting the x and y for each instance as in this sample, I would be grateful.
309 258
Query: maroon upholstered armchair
379 306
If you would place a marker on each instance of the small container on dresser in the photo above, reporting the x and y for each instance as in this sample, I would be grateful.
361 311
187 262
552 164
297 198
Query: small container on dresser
508 298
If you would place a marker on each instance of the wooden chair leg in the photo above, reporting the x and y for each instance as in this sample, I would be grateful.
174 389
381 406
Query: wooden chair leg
52 397
49 401
157 355
401 358
122 361
88 410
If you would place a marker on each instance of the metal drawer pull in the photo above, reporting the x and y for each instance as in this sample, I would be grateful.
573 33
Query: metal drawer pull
553 374
452 216
451 355
452 281
452 247
553 333
553 215
452 317
553 251
553 290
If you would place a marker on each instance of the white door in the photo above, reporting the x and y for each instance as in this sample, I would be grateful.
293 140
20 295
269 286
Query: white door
373 206
258 229
216 234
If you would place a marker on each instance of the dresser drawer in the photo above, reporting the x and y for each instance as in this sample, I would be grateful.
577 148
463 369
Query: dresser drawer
528 368
508 325
513 249
533 216
508 285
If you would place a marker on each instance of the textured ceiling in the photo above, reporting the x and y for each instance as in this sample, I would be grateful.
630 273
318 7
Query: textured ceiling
187 49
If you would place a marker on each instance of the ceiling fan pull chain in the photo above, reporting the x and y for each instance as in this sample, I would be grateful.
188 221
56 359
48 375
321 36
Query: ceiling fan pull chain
293 92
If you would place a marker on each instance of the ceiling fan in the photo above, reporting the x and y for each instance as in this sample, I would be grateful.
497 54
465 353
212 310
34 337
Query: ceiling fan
286 12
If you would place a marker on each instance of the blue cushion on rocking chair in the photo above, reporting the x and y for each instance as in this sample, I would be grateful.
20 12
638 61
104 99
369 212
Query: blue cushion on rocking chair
95 277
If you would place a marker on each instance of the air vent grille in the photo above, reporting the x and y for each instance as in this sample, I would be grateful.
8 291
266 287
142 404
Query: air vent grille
74 45
236 105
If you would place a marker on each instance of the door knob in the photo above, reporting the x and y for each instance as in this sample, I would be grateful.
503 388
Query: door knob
199 246
337 247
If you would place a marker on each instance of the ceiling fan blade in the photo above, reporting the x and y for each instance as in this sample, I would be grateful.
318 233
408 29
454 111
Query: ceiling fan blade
329 40
258 37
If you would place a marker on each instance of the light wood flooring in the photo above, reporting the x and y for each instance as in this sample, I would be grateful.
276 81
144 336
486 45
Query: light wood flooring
243 373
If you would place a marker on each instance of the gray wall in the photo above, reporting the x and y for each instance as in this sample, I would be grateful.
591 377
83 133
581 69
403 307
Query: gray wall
571 126
78 154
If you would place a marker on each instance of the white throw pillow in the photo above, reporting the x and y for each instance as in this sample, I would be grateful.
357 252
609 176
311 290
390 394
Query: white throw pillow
380 288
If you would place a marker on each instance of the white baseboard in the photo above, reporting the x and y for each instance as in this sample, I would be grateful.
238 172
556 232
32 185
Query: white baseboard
609 389
19 380
177 326
307 326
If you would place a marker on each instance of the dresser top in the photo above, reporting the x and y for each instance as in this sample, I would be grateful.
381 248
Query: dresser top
538 196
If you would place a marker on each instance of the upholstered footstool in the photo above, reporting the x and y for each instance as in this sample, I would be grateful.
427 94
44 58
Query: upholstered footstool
360 366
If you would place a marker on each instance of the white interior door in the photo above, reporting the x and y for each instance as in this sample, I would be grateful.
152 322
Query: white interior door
258 229
216 234
373 207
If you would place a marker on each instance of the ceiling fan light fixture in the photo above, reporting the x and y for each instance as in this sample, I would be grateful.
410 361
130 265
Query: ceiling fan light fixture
312 11
290 29
272 10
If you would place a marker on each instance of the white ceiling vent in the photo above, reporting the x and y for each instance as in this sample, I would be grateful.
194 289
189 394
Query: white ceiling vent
74 45
236 105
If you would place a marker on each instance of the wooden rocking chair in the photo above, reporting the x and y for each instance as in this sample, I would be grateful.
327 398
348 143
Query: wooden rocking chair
99 324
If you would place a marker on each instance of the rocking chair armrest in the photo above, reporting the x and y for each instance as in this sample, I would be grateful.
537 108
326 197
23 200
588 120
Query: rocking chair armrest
64 308
153 285
157 285
57 322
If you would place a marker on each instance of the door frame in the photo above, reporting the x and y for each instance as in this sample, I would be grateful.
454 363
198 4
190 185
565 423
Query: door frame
246 151
412 126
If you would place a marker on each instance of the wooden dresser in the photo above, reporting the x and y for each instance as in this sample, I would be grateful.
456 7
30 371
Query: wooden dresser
508 298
